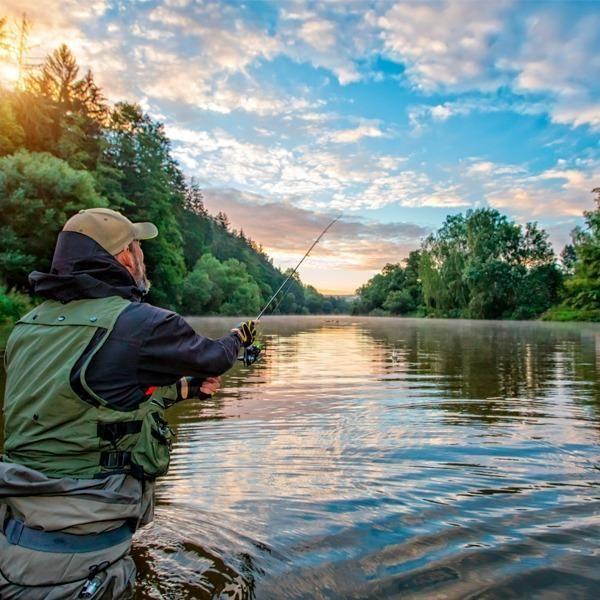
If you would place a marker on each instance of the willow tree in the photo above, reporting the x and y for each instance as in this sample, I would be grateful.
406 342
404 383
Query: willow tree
482 265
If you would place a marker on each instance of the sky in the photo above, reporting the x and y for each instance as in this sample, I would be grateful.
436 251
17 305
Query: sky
393 114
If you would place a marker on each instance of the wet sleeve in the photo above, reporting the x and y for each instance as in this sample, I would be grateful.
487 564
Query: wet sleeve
173 349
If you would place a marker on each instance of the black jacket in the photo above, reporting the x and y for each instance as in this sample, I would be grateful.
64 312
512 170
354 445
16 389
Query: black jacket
148 346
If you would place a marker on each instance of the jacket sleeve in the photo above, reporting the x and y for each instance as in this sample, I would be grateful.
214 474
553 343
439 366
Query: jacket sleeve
173 349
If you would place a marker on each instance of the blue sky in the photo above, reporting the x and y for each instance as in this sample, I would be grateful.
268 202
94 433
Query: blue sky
392 113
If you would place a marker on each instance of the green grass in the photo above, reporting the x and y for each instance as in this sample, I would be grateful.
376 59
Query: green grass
564 313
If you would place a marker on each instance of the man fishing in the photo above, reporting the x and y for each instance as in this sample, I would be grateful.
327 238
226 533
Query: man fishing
89 374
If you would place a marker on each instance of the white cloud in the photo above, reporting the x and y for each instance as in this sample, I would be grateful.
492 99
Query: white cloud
556 56
481 168
308 176
443 43
583 113
563 191
488 169
534 203
309 36
420 115
441 112
562 58
349 136
318 33
574 180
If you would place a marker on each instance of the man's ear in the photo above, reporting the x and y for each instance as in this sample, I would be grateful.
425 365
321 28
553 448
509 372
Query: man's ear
125 257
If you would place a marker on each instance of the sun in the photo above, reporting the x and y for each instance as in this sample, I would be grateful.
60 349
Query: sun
9 73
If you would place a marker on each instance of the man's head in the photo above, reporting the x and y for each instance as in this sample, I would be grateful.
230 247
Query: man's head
118 236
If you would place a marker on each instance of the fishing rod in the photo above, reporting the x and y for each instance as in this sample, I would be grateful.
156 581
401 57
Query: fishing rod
262 312
252 353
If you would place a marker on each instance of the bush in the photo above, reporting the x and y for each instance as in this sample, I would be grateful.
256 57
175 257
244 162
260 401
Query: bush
13 305
379 312
566 313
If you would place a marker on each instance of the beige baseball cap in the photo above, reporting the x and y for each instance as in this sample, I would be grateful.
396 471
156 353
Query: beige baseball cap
112 230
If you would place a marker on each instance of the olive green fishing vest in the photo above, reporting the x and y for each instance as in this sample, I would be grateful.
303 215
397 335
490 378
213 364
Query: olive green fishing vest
48 426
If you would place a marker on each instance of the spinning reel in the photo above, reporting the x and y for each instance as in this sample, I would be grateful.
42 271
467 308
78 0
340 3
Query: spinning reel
251 355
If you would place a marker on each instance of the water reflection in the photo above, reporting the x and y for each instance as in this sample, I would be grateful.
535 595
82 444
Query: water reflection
369 458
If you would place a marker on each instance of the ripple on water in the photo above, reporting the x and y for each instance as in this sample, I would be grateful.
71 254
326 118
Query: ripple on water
376 458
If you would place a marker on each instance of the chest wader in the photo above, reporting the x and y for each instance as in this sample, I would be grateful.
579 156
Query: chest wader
52 430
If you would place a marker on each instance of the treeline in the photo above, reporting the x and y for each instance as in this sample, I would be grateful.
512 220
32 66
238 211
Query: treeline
481 265
63 148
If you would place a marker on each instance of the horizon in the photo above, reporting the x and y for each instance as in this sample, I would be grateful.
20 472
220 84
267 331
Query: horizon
394 114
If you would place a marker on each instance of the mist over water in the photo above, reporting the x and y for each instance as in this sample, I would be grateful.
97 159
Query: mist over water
376 457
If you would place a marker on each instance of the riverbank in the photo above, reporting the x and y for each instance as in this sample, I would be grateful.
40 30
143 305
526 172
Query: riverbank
566 314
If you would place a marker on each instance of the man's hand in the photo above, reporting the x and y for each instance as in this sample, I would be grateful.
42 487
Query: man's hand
246 331
210 385
193 387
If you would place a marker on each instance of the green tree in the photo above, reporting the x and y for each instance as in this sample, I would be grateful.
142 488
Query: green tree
12 134
568 258
583 289
396 290
38 193
481 265
148 186
71 108
398 302
215 287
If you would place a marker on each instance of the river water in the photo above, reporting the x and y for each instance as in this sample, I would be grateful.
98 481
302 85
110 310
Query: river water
387 458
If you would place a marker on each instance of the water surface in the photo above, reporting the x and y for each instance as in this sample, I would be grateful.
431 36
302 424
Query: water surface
398 458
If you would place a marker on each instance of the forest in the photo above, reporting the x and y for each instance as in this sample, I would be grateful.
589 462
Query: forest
63 148
482 265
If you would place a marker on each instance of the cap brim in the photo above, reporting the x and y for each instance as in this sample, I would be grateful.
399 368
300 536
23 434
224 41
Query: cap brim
145 231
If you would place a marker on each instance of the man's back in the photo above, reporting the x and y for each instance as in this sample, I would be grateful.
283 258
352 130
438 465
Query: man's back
89 374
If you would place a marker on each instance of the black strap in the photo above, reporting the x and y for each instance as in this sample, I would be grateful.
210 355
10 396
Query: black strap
137 472
115 460
113 431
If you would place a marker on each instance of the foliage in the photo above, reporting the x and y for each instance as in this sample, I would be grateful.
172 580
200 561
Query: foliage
481 265
13 305
72 108
215 287
148 186
583 289
477 265
396 290
64 148
564 313
38 192
12 134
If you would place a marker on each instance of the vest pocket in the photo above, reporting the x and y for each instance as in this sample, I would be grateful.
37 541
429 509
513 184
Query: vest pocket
153 448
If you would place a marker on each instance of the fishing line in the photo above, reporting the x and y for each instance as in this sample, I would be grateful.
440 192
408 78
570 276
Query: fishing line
262 312
252 353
